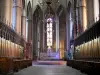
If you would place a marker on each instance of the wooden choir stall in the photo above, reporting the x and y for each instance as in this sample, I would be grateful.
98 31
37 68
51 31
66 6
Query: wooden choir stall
11 51
87 51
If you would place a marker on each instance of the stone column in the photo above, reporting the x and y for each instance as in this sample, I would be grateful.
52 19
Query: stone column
24 27
79 26
6 11
41 36
83 14
38 40
43 32
67 35
57 33
29 37
18 7
29 30
23 32
34 38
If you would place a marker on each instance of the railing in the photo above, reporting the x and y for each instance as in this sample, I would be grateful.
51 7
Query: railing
7 29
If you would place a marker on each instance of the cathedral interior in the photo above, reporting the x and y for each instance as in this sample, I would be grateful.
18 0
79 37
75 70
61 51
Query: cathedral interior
54 37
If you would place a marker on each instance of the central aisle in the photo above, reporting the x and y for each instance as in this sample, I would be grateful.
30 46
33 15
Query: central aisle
45 69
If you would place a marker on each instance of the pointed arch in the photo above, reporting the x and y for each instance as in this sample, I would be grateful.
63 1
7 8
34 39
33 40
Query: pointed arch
47 11
69 6
60 10
38 8
62 29
23 4
38 12
37 28
29 8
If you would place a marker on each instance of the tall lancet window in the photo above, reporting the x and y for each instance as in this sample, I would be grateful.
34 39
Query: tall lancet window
49 32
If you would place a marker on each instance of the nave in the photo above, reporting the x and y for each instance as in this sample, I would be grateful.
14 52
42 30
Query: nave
49 68
67 30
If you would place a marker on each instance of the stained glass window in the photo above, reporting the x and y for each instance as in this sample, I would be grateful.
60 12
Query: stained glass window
49 32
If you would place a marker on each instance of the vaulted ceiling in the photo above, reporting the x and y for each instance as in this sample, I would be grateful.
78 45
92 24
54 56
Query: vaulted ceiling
42 3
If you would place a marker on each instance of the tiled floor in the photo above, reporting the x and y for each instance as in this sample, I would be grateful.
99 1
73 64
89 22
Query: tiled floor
39 69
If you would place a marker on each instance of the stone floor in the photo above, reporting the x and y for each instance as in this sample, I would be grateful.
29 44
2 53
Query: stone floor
49 69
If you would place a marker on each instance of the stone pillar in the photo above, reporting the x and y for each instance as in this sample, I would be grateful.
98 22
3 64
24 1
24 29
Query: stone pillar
23 24
6 11
83 15
38 40
43 33
41 36
29 30
67 35
24 27
18 7
23 32
57 33
29 37
34 34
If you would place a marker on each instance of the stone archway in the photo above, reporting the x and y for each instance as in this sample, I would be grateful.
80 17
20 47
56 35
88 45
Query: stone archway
62 30
37 32
28 52
49 14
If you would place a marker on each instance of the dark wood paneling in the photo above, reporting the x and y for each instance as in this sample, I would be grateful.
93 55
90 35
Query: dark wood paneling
90 40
